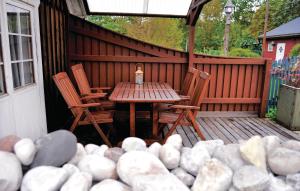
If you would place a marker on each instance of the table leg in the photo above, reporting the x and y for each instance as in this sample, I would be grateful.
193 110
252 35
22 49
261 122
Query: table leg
155 121
132 119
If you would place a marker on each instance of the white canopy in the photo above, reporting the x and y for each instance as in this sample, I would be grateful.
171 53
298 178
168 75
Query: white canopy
140 7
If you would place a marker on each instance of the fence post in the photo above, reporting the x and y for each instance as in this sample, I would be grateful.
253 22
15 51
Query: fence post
266 86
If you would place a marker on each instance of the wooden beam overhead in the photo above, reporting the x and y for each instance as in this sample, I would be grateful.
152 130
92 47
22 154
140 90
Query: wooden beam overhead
195 10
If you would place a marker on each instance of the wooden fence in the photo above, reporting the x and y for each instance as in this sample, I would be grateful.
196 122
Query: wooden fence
237 84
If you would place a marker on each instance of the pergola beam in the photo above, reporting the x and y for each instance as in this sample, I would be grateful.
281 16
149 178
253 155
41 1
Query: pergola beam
194 11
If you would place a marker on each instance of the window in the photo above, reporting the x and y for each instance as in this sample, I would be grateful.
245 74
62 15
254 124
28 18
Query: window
2 82
270 46
20 45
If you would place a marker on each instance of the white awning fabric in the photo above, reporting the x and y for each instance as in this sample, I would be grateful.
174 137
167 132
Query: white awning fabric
140 7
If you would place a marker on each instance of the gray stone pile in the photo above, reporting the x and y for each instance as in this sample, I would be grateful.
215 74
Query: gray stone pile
57 162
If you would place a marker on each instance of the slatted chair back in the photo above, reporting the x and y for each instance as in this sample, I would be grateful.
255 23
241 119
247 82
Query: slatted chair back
189 82
68 92
81 79
200 89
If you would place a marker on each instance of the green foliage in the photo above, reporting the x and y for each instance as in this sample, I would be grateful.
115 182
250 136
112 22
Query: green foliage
272 113
112 23
241 52
295 50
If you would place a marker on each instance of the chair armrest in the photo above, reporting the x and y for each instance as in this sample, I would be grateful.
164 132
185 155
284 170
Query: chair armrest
188 107
93 96
87 105
102 88
185 98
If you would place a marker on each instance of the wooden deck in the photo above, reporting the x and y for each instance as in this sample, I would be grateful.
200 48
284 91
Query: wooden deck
232 127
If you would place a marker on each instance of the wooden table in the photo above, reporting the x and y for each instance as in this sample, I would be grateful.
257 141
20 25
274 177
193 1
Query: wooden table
149 92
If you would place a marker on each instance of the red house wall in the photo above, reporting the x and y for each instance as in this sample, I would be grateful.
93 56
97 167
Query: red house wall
289 43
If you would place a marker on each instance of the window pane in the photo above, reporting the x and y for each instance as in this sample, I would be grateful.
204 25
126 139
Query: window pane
12 21
25 22
2 87
28 72
16 71
14 44
26 48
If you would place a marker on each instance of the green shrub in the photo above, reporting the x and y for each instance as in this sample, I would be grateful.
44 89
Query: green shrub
272 113
295 50
242 52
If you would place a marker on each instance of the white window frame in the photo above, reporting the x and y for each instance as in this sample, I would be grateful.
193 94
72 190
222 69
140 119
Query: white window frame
270 46
2 62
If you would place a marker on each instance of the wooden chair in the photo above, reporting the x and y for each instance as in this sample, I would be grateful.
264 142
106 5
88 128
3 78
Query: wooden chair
81 111
186 114
86 90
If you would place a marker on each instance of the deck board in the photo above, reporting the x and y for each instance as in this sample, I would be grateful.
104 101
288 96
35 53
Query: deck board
232 129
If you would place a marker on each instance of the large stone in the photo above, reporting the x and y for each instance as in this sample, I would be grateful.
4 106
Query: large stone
277 184
253 151
114 153
100 151
80 153
99 167
25 151
175 140
210 145
44 178
159 182
284 161
7 143
230 155
135 163
154 148
134 144
292 144
170 156
271 142
192 159
182 175
79 181
110 185
10 172
213 176
250 178
294 181
55 149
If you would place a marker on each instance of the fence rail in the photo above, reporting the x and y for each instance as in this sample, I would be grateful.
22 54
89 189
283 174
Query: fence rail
283 71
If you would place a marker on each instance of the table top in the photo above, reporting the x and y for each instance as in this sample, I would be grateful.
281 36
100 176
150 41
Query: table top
150 92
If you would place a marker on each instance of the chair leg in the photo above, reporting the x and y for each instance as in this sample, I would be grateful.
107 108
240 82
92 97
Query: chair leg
75 122
195 125
181 115
97 127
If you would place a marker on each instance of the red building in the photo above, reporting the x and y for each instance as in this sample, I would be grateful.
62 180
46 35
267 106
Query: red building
281 40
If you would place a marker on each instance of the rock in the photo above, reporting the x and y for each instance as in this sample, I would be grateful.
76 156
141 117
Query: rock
185 177
253 151
79 181
230 155
101 150
294 181
71 169
55 149
90 148
292 144
10 173
44 178
175 140
135 163
284 161
277 184
114 153
80 153
99 167
7 143
154 149
250 178
232 188
210 145
271 142
158 182
170 156
110 185
193 159
213 176
25 151
134 144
